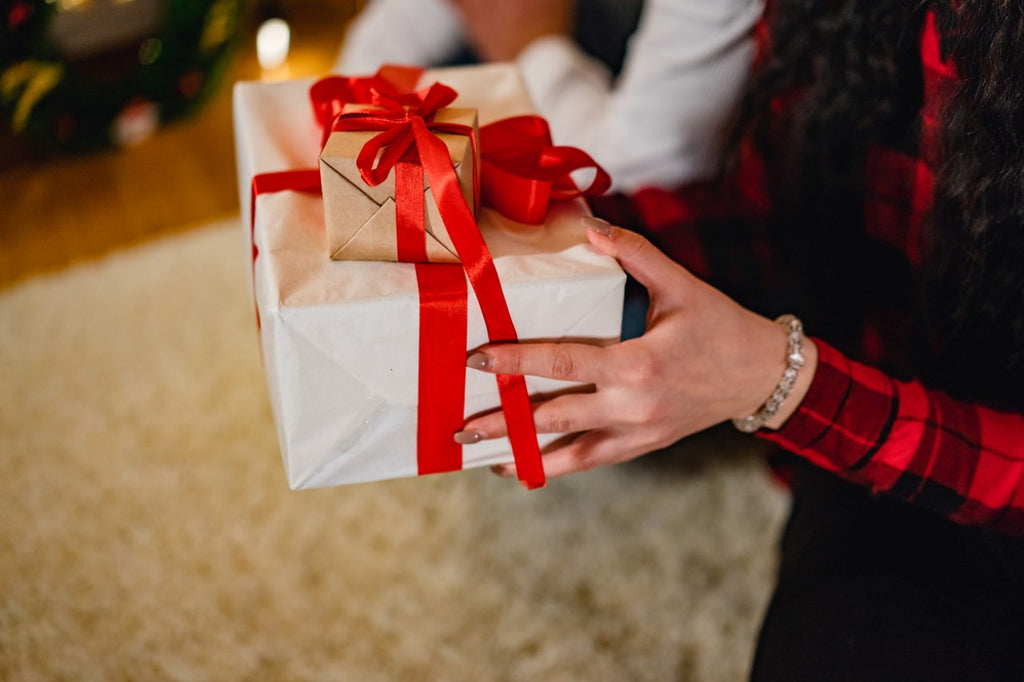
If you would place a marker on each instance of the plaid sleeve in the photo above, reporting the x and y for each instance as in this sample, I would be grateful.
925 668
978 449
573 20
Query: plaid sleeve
960 460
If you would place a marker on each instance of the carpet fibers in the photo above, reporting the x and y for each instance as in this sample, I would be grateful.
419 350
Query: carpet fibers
146 531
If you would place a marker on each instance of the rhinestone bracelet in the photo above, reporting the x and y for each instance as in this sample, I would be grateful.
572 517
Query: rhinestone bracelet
794 361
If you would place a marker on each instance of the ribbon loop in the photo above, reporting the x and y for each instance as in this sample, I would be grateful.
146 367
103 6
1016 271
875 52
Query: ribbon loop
391 83
433 98
380 154
522 170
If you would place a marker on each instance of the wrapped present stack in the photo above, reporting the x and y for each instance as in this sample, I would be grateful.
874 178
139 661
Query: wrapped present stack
396 223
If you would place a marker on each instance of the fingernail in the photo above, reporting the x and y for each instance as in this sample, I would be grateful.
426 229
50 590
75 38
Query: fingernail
502 470
602 227
479 360
468 437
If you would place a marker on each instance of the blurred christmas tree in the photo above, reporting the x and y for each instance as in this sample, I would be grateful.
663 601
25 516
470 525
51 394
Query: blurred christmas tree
78 75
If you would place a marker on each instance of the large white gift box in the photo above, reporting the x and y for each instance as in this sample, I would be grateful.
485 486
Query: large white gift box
340 338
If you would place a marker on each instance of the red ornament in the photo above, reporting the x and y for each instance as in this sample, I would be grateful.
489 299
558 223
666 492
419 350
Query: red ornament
190 83
18 15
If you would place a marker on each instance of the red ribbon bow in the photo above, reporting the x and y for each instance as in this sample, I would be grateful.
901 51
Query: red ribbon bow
403 123
406 144
522 170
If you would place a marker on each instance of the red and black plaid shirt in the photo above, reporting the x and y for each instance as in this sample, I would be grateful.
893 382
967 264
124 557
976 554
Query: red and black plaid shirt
962 460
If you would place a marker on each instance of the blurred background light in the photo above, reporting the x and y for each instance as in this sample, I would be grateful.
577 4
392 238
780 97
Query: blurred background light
272 43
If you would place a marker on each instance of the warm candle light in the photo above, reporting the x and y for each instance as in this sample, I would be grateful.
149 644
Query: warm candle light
272 42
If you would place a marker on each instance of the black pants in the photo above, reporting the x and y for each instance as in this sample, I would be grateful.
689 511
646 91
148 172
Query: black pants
872 590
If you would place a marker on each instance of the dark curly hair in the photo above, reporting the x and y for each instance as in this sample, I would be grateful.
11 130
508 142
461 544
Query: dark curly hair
851 74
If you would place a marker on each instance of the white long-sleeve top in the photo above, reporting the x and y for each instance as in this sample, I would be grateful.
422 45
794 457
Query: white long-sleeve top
661 123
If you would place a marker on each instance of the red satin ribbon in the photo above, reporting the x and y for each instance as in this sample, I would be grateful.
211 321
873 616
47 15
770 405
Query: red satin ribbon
442 366
443 317
483 277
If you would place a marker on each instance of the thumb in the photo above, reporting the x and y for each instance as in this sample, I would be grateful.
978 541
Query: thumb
639 257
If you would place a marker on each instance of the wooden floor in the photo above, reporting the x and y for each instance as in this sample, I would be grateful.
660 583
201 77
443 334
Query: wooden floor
58 211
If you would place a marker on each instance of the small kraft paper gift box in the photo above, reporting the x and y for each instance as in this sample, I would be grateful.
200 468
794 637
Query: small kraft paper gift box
360 218
358 357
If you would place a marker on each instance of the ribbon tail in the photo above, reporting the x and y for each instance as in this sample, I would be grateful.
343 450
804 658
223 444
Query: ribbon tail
515 404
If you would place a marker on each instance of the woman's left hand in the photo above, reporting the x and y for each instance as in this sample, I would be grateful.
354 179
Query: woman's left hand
702 360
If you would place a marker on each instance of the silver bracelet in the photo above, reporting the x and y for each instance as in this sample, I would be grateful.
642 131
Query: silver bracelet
794 361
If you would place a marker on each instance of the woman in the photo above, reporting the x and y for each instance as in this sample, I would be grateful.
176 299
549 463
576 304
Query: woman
892 136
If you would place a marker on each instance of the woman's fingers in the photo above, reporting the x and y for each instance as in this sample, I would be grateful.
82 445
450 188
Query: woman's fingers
580 454
565 361
569 413
658 273
587 451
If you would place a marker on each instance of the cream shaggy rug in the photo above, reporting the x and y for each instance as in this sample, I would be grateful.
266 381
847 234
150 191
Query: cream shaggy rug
146 531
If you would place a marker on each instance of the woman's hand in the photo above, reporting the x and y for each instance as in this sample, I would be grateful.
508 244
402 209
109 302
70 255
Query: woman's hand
703 360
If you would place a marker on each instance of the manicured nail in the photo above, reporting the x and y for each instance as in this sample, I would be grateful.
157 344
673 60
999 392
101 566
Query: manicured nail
479 360
602 227
503 470
468 437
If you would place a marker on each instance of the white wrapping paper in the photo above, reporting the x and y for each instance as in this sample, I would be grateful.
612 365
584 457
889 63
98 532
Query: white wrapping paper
340 339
